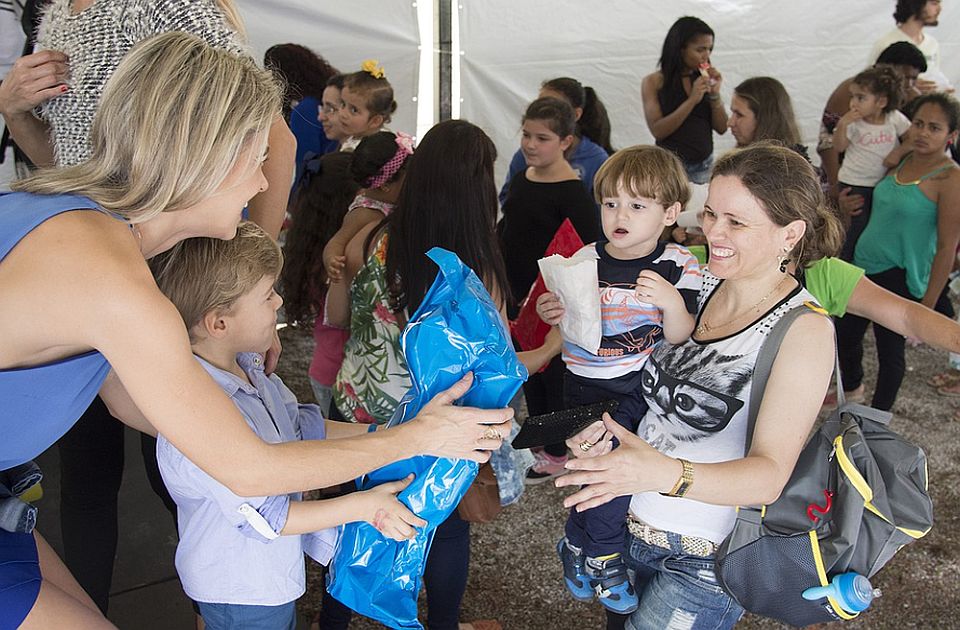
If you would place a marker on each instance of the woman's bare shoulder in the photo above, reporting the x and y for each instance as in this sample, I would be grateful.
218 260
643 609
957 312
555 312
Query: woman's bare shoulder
69 283
653 81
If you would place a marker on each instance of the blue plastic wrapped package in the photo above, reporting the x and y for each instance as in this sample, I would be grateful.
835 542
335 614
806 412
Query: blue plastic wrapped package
456 330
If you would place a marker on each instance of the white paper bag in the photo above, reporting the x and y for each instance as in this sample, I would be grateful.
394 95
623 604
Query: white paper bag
574 281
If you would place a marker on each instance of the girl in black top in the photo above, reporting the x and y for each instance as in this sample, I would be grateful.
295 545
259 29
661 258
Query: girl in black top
542 196
681 101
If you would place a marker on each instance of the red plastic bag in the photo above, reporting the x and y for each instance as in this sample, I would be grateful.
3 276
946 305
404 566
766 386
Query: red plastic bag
528 329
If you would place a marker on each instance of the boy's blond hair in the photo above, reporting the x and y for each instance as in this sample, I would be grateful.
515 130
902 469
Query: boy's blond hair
645 171
200 275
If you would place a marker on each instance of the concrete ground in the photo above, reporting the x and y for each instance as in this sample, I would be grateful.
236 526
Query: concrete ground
514 574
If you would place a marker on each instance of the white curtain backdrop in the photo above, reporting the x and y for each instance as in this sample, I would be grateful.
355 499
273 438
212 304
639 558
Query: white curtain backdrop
508 48
504 49
345 34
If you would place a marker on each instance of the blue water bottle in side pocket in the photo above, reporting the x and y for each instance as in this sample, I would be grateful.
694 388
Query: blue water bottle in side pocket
852 591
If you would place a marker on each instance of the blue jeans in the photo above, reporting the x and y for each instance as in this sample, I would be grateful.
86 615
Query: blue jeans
699 172
675 590
244 617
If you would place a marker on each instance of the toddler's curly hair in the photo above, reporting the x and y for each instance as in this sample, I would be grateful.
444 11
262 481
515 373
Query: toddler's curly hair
882 80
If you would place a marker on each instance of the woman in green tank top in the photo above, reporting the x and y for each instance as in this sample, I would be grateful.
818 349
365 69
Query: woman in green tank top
909 245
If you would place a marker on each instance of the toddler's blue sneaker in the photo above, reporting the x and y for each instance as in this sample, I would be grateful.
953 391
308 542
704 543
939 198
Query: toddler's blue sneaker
608 574
574 575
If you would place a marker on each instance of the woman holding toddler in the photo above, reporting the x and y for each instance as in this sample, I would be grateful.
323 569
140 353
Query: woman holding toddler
686 467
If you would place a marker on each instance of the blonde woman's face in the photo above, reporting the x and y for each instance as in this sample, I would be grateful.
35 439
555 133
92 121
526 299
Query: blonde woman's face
244 182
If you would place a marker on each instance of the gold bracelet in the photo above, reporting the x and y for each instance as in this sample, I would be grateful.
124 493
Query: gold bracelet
684 483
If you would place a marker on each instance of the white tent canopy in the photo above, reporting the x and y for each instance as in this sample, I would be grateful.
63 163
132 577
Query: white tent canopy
507 48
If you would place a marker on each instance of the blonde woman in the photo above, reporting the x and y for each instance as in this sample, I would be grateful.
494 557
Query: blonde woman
81 42
178 145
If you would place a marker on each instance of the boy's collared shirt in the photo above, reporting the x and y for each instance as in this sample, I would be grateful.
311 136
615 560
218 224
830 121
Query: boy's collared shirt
230 550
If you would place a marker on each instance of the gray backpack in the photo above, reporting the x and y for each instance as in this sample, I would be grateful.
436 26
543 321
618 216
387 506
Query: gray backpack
857 495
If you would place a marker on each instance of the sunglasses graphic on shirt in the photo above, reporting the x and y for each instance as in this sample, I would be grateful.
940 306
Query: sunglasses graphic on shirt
701 408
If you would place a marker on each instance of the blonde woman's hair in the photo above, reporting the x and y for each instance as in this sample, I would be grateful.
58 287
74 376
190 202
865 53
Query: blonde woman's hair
174 119
645 171
202 274
232 16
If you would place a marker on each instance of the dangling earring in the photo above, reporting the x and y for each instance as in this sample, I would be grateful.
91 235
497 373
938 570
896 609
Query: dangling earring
784 260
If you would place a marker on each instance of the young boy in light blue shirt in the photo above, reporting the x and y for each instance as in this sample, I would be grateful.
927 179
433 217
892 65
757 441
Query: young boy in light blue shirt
241 558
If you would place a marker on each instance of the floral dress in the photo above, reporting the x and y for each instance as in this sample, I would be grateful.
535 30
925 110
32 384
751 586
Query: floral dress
374 375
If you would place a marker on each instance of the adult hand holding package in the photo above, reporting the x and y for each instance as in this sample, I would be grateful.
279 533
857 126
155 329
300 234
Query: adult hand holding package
574 281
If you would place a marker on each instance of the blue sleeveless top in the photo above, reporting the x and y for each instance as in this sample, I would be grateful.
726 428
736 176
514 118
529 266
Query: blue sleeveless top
40 403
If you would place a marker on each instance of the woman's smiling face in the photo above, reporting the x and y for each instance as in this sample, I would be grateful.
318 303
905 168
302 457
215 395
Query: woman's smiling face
743 239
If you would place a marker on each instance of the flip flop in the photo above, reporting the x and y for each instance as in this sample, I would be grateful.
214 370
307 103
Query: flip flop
949 392
944 379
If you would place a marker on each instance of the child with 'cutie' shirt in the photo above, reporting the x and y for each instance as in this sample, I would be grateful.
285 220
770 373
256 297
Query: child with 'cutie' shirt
869 137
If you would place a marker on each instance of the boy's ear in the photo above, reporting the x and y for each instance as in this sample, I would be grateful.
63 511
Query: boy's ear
214 323
671 212
566 142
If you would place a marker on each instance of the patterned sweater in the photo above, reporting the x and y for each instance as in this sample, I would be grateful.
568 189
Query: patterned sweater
96 39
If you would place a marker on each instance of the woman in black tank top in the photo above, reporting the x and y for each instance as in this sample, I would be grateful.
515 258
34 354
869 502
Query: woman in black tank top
681 101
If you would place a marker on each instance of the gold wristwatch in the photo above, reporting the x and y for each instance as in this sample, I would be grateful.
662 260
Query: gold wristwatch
684 483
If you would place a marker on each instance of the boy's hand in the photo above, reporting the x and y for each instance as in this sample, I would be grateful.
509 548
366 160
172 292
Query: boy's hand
549 308
654 289
334 267
390 517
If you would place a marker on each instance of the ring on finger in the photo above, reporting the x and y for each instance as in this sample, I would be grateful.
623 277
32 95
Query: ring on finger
492 434
586 445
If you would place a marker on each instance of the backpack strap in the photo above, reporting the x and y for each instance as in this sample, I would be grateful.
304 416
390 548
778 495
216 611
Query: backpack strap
765 358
